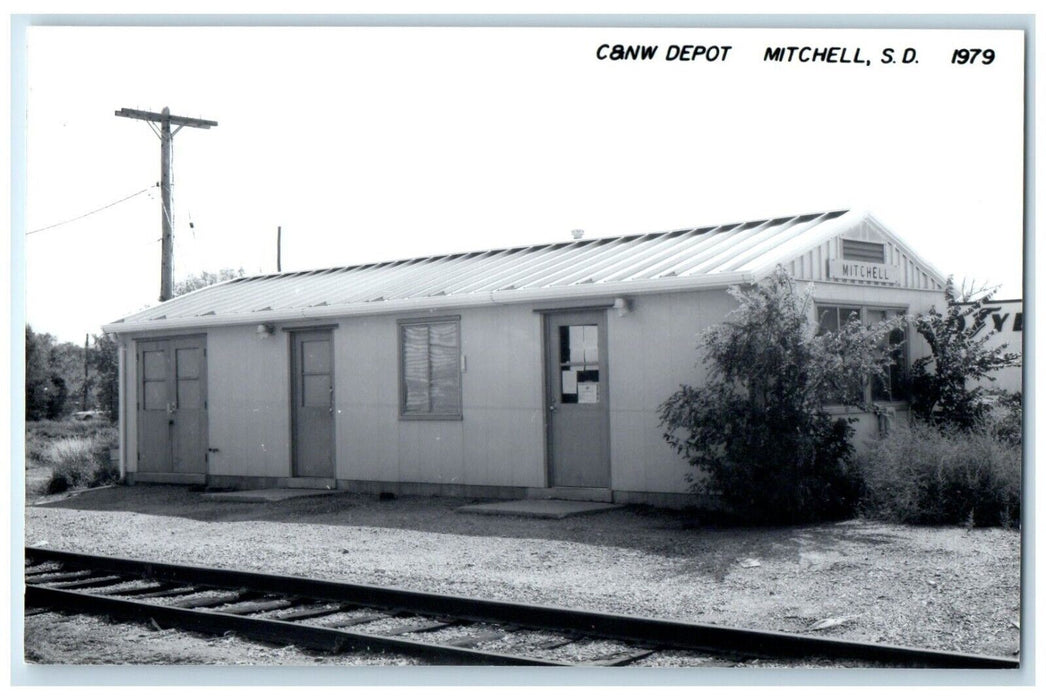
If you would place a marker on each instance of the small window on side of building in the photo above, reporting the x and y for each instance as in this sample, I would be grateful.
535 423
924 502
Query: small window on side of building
430 369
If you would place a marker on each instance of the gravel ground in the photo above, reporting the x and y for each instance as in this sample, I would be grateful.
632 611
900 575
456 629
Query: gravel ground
941 588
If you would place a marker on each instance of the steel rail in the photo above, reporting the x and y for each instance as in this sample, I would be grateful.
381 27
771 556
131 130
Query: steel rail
641 631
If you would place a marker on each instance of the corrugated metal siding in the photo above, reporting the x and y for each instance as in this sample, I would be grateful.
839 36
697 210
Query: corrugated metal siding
690 254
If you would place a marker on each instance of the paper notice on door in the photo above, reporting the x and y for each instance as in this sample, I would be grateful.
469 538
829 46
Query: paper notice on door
570 382
590 338
576 338
587 392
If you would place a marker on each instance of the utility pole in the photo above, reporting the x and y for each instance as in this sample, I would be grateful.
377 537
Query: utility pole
164 119
279 247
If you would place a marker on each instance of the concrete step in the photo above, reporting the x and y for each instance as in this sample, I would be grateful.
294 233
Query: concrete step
311 482
553 509
165 478
266 495
572 493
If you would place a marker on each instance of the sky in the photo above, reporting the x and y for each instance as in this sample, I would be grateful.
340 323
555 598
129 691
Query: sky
369 144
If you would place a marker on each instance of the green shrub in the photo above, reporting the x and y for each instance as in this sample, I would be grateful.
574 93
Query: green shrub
60 482
34 448
103 476
1007 416
926 475
81 475
756 432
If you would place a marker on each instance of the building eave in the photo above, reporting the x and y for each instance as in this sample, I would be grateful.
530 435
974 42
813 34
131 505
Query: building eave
568 295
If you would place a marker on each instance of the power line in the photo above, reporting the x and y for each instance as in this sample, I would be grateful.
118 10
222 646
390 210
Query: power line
93 211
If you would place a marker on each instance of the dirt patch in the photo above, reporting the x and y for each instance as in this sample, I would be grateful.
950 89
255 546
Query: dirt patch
940 588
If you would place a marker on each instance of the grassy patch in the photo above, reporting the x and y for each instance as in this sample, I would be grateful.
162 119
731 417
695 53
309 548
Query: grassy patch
77 452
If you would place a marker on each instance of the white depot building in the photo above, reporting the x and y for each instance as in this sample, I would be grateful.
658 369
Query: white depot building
516 373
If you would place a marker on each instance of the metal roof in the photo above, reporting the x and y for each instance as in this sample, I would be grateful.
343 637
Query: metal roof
712 256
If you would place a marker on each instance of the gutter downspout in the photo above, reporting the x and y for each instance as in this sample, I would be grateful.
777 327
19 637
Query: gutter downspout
121 417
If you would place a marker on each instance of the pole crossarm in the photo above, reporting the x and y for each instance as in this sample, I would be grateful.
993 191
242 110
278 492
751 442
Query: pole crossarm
172 119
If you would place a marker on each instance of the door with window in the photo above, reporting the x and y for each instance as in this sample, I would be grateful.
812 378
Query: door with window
576 387
312 396
172 406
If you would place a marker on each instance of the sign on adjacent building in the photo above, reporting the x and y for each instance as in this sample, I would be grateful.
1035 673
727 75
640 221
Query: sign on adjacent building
1005 323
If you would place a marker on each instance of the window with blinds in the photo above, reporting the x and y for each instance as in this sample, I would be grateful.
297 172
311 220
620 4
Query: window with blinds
863 251
430 369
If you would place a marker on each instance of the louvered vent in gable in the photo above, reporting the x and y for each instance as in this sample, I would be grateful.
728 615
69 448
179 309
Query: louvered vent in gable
863 251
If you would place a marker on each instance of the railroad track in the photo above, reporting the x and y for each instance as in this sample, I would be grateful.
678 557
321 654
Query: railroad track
345 617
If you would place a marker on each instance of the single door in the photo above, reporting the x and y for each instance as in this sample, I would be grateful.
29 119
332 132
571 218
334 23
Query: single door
576 385
172 406
312 394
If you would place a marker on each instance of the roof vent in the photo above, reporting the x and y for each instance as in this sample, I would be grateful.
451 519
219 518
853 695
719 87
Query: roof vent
578 233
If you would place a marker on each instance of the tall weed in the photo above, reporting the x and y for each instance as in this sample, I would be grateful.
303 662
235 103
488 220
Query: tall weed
70 450
77 452
922 474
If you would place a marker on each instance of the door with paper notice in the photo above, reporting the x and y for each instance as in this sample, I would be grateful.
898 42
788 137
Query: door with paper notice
576 387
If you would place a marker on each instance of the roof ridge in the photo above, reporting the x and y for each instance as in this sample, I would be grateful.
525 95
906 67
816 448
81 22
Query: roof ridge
696 230
680 259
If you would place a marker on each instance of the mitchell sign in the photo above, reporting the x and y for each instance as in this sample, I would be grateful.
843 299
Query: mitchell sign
864 272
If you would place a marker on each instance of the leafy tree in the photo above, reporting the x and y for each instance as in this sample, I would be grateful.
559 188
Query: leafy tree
941 382
37 376
206 279
66 361
104 359
55 378
56 398
757 429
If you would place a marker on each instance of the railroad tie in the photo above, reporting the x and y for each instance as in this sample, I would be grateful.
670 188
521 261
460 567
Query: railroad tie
429 626
470 641
357 621
163 590
207 600
95 582
56 576
315 611
623 659
558 644
149 588
259 606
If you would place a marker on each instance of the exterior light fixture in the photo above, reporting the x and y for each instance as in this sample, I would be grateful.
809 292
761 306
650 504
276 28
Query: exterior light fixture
622 305
264 330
